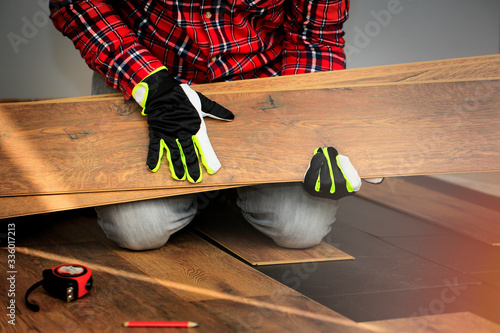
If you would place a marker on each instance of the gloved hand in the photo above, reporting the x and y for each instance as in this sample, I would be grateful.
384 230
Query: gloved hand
175 117
331 175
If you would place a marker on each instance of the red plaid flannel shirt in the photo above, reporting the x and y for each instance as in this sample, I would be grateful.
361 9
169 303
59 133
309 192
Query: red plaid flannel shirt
204 40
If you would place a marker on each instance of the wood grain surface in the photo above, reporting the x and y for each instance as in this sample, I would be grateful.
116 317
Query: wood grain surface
449 70
40 204
121 292
435 71
167 284
279 313
385 130
192 281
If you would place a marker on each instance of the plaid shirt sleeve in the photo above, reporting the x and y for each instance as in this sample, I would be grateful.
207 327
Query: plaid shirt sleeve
104 41
314 36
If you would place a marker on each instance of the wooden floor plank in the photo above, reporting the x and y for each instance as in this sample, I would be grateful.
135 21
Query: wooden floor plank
367 123
473 68
198 271
166 284
192 269
39 204
278 313
177 283
55 320
26 271
448 70
226 227
446 209
120 293
443 323
186 262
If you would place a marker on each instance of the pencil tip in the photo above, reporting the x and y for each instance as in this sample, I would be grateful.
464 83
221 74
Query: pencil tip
125 324
192 324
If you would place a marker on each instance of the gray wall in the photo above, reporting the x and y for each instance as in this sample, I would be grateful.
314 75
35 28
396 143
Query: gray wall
382 32
38 62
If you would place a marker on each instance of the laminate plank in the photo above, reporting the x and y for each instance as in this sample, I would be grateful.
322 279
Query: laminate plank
165 284
226 288
278 313
91 156
53 320
40 204
443 323
197 270
447 210
25 272
226 227
448 70
472 68
120 293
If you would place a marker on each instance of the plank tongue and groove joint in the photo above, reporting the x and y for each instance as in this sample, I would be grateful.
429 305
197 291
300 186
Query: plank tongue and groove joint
388 122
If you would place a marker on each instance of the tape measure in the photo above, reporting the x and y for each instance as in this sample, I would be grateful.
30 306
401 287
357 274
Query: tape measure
67 282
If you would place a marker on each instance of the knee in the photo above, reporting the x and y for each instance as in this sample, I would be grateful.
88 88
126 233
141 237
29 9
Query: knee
298 231
137 238
145 225
139 243
304 226
301 235
287 215
139 246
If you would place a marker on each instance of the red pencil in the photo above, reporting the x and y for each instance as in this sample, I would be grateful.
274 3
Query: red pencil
160 324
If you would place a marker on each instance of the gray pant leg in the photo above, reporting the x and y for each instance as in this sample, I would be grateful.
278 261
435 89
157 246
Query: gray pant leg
287 214
147 224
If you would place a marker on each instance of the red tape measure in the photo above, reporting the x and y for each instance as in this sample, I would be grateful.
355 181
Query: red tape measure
67 282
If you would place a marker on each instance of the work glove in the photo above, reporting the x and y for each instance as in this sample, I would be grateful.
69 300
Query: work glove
331 175
175 115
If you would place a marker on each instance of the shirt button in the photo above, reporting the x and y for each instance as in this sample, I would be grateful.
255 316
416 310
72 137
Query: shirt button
213 59
208 15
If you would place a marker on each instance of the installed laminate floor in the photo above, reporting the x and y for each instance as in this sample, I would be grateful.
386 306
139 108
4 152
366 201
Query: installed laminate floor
408 275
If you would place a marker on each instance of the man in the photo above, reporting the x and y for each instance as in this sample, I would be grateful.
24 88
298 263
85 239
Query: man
146 48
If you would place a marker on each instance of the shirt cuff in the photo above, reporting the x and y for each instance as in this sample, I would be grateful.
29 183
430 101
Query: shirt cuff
130 67
301 59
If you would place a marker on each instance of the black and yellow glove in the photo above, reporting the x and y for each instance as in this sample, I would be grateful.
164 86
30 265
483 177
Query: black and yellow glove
175 115
331 175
